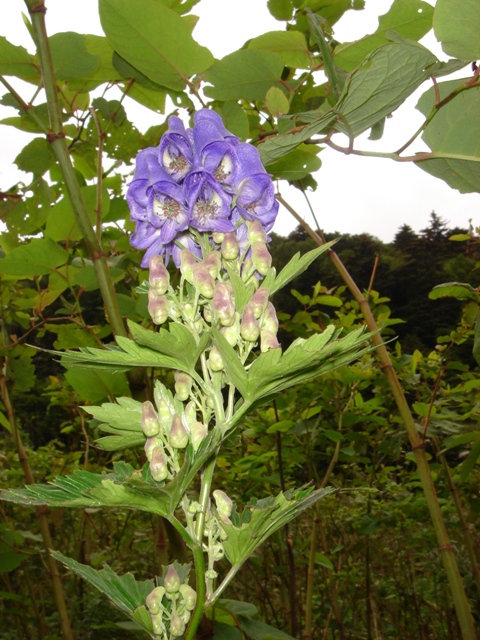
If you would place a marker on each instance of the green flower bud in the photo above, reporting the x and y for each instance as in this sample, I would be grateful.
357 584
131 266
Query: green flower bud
178 434
202 280
172 580
268 340
187 260
213 263
256 232
185 616
261 258
247 269
259 301
249 327
150 445
150 423
218 552
208 314
211 574
194 507
232 333
230 248
215 359
270 320
223 502
183 385
154 600
164 414
158 278
158 464
158 307
189 596
158 624
198 432
190 413
177 625
224 304
189 310
218 237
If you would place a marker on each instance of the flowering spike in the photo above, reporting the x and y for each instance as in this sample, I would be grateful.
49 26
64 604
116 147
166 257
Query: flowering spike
150 423
178 434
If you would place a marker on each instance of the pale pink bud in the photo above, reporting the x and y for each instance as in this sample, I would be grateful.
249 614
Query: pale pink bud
259 301
183 384
223 304
189 596
158 278
157 307
213 263
218 237
202 280
150 445
178 434
154 599
223 502
177 625
230 248
187 260
172 580
232 333
270 320
249 327
150 423
215 359
158 464
268 340
261 258
256 232
190 412
158 624
208 314
198 432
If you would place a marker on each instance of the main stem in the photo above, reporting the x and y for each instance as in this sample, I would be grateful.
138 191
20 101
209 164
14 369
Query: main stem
462 606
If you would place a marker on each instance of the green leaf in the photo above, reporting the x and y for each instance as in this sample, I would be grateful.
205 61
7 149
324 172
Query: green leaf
454 132
291 45
411 19
244 75
37 157
99 48
235 119
123 416
265 517
297 164
62 222
155 40
37 258
277 102
70 336
260 631
16 61
476 340
458 440
458 290
381 84
95 386
281 9
70 57
150 98
233 367
457 25
323 561
469 463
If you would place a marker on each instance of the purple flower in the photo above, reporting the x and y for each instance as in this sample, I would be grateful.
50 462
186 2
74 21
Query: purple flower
175 150
207 115
147 237
209 203
167 209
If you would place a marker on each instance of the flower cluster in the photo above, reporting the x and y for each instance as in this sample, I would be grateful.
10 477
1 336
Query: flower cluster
171 605
202 178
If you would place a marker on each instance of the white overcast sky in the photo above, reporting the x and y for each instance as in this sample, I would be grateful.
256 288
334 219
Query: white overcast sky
355 194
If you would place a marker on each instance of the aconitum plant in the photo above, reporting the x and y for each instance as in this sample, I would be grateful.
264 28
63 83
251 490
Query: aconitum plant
203 200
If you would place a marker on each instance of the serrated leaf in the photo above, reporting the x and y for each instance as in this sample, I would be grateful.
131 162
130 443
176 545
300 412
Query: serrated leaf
296 266
244 75
37 258
457 26
94 386
266 517
155 40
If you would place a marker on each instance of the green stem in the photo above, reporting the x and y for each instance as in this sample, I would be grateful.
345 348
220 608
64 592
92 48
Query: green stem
462 606
56 137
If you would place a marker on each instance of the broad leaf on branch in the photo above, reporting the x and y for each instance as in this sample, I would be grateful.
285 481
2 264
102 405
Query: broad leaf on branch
16 61
263 517
457 25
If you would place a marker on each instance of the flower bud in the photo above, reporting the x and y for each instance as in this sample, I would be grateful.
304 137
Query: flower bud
218 237
211 574
198 432
224 304
215 359
150 445
259 301
270 320
218 552
187 260
158 278
177 625
158 307
164 414
178 434
247 269
202 280
232 333
183 385
256 232
158 464
223 502
189 310
213 263
154 600
186 615
189 596
249 327
261 258
190 413
230 248
208 314
158 624
268 340
172 580
150 423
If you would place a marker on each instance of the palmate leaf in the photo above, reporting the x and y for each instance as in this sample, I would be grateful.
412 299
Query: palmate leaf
124 592
251 529
123 420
